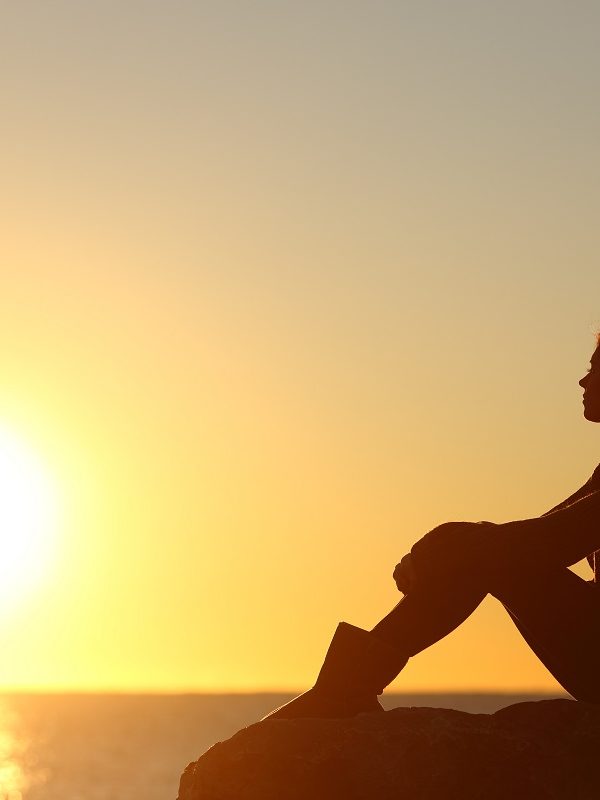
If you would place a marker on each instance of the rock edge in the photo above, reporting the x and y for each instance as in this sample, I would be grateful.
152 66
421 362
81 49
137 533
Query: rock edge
544 750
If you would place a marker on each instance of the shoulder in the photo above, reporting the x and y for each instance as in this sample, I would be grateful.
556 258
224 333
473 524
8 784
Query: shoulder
595 479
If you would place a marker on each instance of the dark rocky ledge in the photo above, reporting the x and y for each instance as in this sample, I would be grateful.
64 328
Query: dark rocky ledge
537 750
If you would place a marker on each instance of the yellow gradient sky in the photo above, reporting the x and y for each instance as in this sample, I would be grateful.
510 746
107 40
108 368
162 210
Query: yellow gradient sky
284 285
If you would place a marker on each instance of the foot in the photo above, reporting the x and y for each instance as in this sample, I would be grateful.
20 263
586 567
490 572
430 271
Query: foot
320 704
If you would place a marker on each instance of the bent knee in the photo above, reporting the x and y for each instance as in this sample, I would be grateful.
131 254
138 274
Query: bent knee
459 548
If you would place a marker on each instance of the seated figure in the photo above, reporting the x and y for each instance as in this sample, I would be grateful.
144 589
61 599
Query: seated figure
446 575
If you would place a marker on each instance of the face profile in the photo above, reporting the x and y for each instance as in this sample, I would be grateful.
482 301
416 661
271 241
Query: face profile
590 383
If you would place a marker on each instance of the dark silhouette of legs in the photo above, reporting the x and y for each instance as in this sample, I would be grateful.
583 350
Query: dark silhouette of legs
556 612
558 615
428 614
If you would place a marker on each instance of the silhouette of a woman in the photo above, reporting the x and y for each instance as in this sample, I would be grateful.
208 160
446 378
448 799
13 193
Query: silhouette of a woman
446 575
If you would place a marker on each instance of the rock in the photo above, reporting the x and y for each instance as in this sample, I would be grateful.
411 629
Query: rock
537 750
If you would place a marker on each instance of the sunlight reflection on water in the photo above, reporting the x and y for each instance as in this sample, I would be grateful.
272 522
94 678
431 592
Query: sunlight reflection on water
14 780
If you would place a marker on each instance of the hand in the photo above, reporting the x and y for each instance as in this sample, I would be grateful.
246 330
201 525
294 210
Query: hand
405 575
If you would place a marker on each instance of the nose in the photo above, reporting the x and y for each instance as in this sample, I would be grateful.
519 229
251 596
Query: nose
583 381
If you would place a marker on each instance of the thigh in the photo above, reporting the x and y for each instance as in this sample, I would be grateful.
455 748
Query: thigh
558 615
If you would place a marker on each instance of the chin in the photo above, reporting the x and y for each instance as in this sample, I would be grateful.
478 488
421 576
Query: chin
592 414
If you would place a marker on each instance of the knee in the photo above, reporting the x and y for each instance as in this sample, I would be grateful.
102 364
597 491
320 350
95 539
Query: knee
457 549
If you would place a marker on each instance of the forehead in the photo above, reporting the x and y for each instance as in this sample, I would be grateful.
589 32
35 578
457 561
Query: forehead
595 359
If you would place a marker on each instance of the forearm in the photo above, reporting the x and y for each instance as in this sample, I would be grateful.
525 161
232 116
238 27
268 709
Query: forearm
559 538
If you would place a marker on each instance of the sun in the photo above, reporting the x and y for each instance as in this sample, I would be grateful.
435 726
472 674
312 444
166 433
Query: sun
28 517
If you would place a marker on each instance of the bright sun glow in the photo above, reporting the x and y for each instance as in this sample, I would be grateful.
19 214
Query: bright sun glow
28 517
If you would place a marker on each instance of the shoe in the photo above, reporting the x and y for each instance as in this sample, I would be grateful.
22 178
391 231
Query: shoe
358 666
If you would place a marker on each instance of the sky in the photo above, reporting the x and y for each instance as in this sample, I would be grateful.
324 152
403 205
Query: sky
284 286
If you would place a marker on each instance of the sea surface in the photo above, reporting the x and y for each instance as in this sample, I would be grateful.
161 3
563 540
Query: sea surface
134 747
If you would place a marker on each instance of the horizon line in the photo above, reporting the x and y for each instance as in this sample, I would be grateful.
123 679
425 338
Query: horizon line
261 691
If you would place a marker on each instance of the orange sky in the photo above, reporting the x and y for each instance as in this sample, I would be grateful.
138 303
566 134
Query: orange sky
283 288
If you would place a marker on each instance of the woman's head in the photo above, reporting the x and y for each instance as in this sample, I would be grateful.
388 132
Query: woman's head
590 383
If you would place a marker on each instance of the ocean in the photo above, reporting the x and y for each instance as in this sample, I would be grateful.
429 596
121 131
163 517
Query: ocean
133 746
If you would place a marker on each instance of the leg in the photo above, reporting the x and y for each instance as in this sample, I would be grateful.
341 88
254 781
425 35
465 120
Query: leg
557 613
429 613
455 562
359 664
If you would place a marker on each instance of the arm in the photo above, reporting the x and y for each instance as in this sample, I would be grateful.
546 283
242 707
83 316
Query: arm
560 537
588 487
